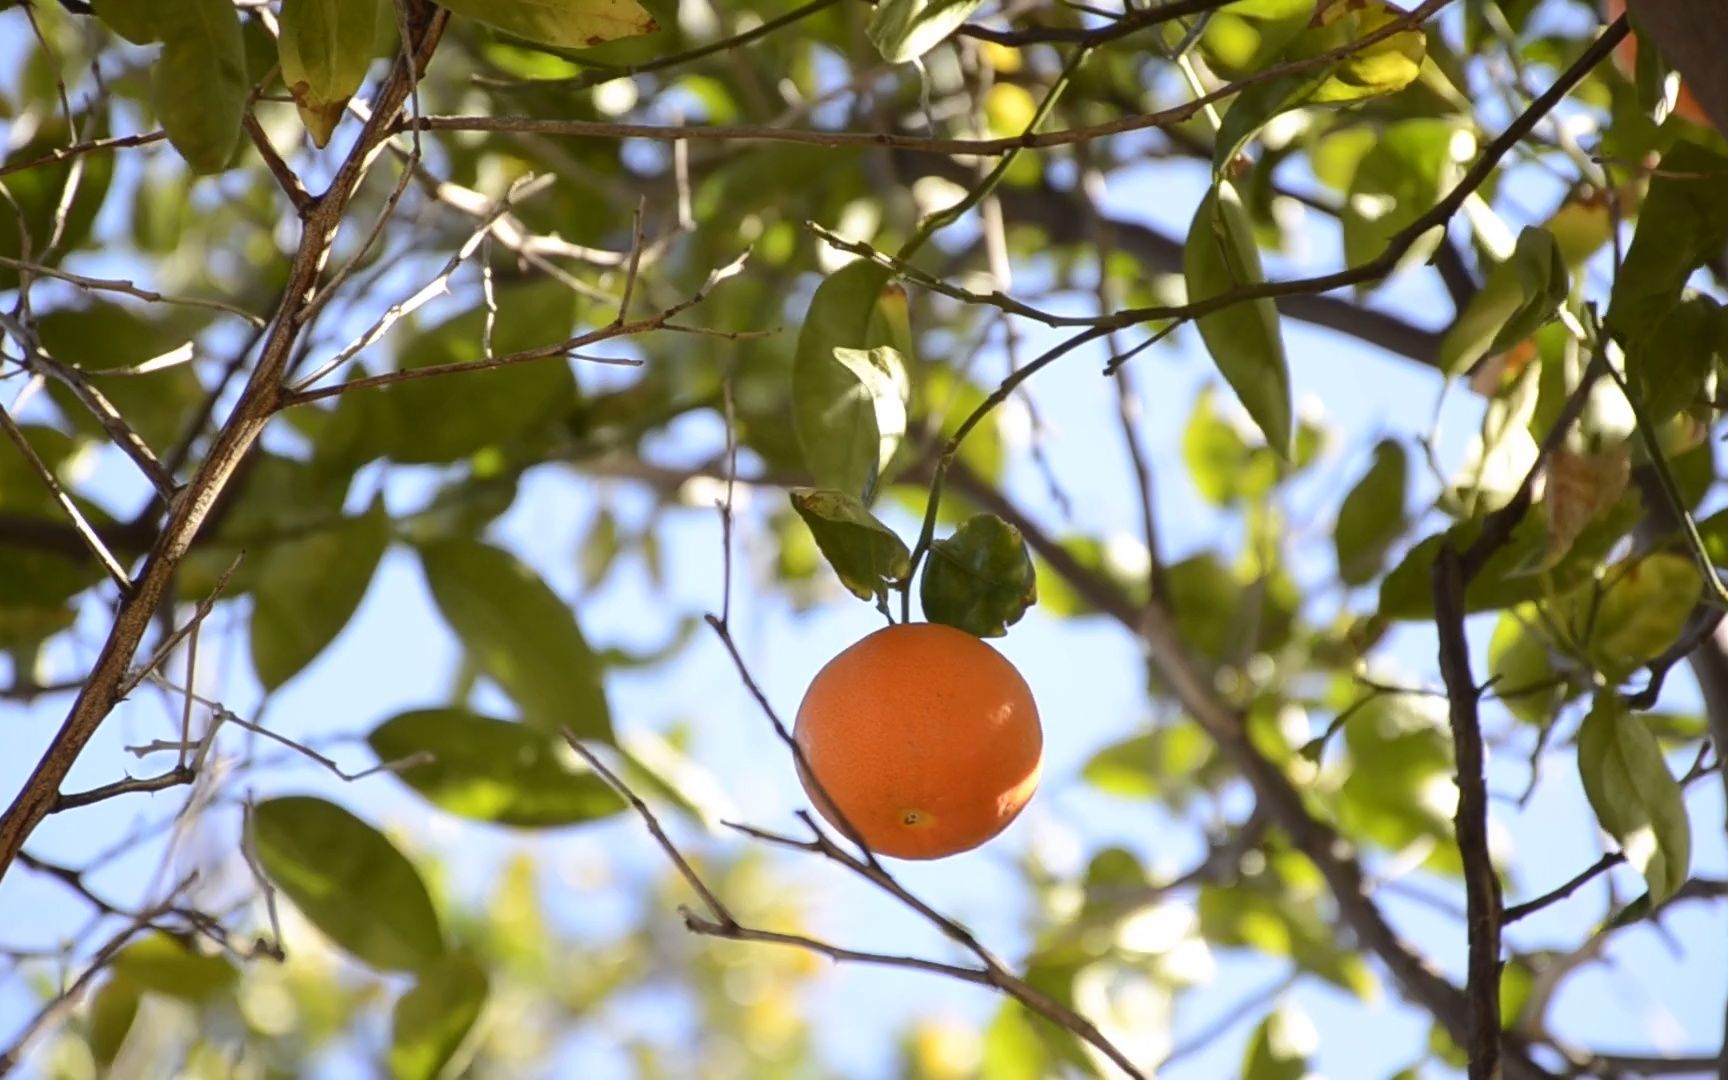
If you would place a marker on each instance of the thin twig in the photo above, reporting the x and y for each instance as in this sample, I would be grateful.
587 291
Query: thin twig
438 286
79 522
175 777
562 348
128 288
66 153
285 177
130 443
685 870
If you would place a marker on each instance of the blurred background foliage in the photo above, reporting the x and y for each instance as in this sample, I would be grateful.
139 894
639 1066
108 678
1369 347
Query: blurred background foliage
1316 570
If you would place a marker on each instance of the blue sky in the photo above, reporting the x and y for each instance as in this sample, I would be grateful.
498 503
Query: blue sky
1087 676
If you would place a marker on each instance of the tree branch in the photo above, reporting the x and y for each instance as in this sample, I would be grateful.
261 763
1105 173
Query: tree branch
257 403
1470 823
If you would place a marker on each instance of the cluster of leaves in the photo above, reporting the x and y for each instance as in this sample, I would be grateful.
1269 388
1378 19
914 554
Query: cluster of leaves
873 403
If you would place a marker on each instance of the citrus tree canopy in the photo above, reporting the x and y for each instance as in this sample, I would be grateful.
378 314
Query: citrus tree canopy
459 462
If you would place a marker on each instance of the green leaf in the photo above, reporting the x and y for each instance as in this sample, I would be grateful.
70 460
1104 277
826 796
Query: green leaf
1013 1049
199 83
1513 574
1683 222
433 1016
1385 67
1222 465
1518 297
846 424
36 585
349 881
1667 368
1398 180
493 770
1278 914
325 48
881 375
1639 613
169 966
113 1008
1243 338
131 19
1522 665
572 24
520 634
1280 1045
1636 799
866 554
904 30
452 416
980 579
1399 751
308 588
1170 763
1371 517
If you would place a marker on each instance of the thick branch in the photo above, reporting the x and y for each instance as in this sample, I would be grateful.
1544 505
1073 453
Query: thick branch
188 510
1481 884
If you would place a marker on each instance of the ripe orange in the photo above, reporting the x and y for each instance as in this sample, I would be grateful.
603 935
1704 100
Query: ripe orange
1626 59
926 738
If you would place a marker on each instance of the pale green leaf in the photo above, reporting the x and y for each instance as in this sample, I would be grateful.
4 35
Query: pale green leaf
520 634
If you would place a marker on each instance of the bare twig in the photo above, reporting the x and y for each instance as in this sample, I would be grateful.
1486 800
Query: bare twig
66 153
37 359
567 347
57 1006
722 924
285 177
685 870
1120 27
438 286
175 777
79 522
128 288
600 73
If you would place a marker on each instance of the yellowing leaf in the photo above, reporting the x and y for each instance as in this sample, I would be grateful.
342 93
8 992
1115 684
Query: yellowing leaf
1639 612
904 30
1384 67
325 48
572 24
1579 487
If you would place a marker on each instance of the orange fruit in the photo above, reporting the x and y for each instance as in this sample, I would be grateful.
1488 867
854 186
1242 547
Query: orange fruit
925 737
1626 59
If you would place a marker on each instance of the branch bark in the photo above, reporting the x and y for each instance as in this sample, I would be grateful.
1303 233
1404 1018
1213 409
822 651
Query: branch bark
189 509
